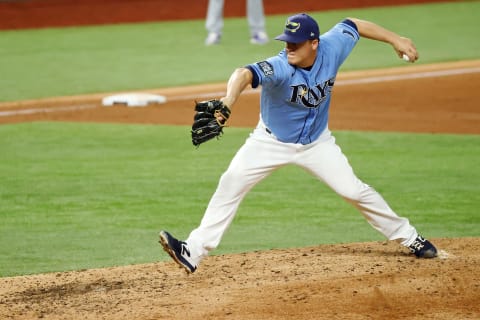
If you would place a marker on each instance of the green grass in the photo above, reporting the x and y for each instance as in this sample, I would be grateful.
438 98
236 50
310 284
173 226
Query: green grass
77 196
71 61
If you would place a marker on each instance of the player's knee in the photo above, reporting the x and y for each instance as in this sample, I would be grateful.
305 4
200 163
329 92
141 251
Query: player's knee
353 193
233 177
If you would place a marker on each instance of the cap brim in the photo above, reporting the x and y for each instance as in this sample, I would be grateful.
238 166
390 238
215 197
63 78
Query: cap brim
290 38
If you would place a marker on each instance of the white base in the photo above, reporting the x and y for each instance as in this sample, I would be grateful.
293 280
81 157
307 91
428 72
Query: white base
133 99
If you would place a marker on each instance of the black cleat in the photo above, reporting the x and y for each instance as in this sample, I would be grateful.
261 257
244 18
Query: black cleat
178 250
423 248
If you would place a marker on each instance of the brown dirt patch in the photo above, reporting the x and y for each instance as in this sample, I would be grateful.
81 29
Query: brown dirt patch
424 101
377 280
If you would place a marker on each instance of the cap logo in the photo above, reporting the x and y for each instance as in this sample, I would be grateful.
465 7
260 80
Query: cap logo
292 26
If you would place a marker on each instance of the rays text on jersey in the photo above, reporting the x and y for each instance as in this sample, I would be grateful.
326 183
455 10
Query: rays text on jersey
311 97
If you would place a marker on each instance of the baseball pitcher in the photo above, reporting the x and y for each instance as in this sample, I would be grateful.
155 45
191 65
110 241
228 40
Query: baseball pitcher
296 89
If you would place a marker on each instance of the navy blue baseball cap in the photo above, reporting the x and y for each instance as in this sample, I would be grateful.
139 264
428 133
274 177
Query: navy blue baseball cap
299 28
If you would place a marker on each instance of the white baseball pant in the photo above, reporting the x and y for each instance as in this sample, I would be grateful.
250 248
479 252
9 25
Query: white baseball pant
261 154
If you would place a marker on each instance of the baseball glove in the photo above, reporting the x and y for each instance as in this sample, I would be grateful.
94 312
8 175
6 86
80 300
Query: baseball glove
206 123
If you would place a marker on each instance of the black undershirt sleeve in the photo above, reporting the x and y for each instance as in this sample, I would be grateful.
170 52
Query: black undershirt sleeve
255 79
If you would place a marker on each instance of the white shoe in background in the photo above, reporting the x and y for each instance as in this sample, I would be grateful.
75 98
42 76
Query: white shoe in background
213 38
260 37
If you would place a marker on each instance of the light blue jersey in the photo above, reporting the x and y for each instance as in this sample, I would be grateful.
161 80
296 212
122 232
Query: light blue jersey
294 109
295 102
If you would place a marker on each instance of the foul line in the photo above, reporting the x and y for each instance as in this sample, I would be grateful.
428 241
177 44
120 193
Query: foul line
346 82
416 75
45 110
373 79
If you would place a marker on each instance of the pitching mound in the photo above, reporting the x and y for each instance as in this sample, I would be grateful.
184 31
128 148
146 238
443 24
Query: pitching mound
377 280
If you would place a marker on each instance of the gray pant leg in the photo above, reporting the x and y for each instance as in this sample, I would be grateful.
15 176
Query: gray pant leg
255 16
214 22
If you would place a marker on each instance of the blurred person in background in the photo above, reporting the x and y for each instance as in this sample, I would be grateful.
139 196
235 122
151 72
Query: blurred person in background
255 17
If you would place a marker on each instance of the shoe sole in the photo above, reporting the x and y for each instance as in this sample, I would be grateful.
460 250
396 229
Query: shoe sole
429 254
164 242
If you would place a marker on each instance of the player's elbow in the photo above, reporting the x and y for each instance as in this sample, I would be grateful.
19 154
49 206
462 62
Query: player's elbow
243 75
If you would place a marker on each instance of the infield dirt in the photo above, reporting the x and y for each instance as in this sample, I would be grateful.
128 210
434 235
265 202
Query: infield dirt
376 280
346 281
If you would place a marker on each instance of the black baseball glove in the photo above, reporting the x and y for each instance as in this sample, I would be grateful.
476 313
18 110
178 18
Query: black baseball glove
206 123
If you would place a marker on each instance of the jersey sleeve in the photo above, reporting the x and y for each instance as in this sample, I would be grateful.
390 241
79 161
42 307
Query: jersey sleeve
341 39
268 72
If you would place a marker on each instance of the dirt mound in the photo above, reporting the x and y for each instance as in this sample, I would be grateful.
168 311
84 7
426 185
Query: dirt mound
375 280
